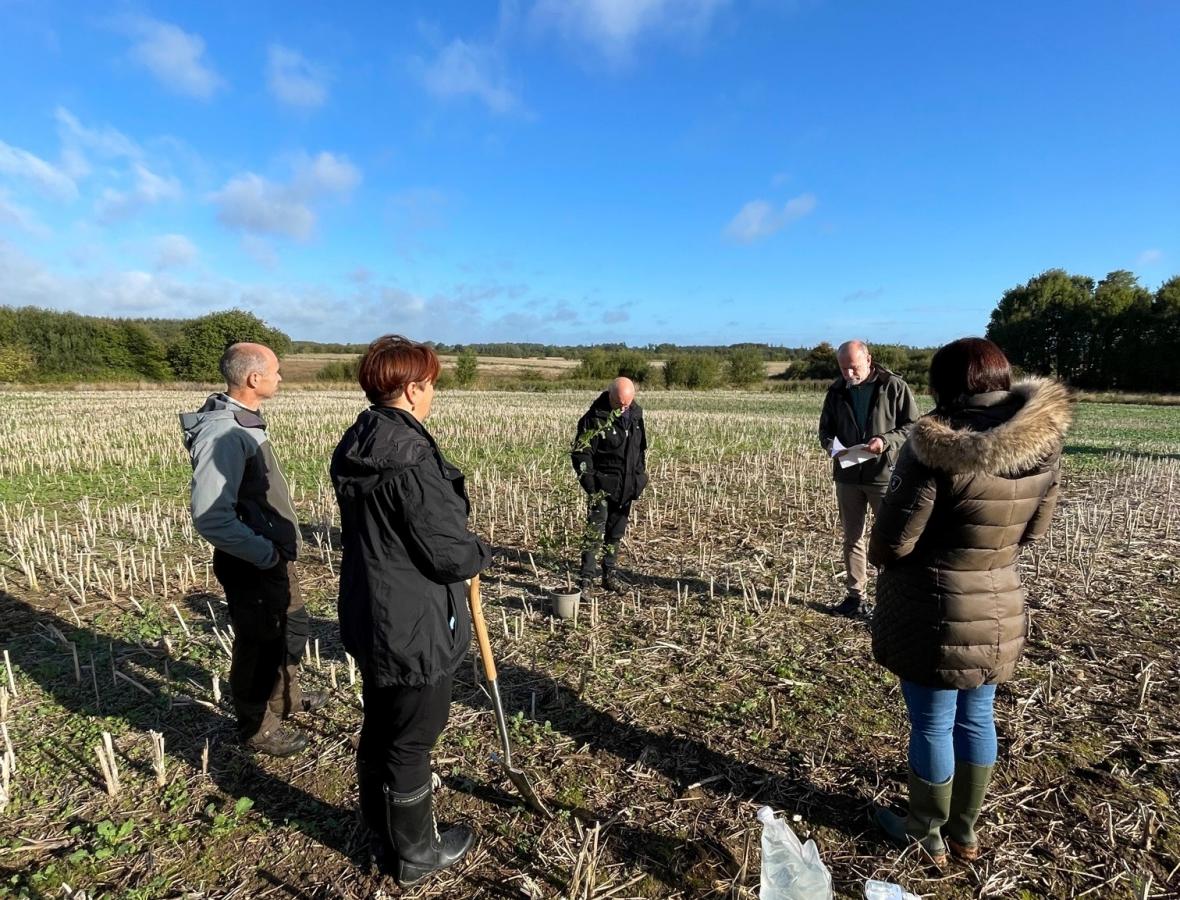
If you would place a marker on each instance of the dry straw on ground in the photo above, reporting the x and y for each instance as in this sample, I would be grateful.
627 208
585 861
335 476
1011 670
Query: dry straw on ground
656 724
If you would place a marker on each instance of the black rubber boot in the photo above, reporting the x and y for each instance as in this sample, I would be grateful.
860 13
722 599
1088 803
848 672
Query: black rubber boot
420 848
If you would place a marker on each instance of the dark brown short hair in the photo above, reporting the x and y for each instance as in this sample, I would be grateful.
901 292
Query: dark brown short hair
392 362
968 366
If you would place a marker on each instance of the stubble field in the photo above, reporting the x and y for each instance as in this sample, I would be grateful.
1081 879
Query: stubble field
656 725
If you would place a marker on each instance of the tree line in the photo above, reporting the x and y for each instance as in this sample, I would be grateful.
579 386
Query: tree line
1110 334
1113 334
40 345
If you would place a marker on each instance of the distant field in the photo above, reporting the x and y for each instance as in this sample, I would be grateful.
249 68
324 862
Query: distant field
303 366
656 725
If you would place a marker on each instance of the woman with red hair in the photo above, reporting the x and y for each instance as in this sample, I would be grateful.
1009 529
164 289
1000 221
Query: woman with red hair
403 615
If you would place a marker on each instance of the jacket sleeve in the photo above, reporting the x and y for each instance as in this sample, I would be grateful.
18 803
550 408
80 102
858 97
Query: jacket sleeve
827 422
905 413
1038 525
904 511
582 449
436 526
218 465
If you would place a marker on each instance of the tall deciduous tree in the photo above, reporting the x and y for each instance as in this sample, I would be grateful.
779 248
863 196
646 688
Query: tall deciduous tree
202 341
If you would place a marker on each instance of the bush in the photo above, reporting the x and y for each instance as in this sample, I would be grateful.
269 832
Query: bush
603 365
339 370
820 362
16 363
745 367
466 368
202 341
696 371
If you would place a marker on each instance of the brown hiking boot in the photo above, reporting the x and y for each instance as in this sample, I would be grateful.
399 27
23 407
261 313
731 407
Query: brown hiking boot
280 741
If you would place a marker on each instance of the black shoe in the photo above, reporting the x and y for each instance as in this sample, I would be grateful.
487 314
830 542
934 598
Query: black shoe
415 838
279 741
613 583
850 607
313 700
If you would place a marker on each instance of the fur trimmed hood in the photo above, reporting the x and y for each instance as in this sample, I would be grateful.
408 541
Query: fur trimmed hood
1034 433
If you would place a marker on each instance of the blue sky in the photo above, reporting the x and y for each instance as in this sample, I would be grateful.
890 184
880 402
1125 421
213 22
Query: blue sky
575 171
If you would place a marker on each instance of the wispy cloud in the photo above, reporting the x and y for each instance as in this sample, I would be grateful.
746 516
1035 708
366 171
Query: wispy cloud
251 203
1150 257
864 294
614 28
293 80
175 56
468 69
759 219
149 188
77 140
14 214
172 251
45 176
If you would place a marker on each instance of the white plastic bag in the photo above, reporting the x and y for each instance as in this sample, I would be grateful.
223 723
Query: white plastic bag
790 870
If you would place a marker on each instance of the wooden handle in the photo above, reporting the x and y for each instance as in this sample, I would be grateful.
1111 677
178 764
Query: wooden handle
481 628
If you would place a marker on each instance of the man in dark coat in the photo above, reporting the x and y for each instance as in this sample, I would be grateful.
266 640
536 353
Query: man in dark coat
241 505
867 405
609 458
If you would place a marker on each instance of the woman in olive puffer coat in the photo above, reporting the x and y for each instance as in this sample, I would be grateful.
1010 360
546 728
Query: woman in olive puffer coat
976 481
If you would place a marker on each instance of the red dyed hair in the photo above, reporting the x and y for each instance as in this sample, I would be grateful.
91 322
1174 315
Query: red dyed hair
968 366
392 362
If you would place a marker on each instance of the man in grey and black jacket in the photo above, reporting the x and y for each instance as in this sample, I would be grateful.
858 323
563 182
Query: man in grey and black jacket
872 406
242 506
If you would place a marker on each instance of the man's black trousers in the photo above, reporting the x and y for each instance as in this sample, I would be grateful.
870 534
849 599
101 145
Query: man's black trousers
271 627
400 727
606 523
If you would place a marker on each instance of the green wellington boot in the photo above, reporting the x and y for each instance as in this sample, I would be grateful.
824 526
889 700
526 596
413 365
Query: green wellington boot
968 789
929 810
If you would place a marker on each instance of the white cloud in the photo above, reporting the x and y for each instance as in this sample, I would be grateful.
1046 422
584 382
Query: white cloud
293 80
254 204
176 57
759 219
106 142
14 214
464 69
149 189
1150 257
49 178
401 303
326 173
615 27
173 251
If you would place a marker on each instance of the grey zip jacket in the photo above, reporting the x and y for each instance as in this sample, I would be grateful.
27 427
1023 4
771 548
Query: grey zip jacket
240 500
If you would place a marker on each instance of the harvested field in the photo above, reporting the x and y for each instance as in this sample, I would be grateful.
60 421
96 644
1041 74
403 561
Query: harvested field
304 366
656 724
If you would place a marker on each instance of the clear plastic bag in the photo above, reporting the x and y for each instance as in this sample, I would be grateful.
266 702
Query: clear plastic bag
887 890
791 870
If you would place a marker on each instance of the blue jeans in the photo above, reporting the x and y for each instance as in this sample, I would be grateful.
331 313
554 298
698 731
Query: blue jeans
949 725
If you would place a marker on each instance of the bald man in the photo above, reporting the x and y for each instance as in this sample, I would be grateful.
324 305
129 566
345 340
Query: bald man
609 458
867 404
242 506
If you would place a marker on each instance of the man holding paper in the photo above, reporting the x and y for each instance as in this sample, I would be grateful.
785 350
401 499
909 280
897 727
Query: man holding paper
867 414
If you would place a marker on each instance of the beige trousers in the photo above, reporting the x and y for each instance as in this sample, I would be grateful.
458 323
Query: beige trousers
854 502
